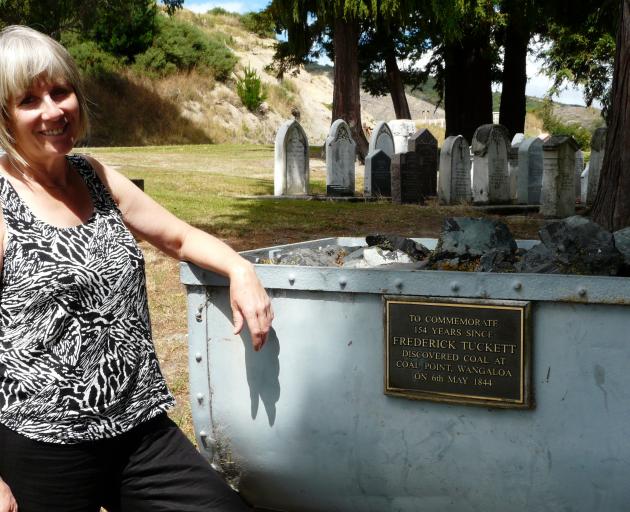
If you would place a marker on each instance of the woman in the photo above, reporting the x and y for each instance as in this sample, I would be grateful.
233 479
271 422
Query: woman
82 400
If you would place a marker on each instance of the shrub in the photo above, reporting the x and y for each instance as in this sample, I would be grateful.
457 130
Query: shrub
555 126
260 23
220 11
250 89
90 58
124 28
182 46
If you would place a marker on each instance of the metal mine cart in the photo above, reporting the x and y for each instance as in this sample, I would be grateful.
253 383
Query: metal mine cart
394 390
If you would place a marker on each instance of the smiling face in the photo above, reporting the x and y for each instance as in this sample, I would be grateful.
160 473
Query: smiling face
44 121
40 87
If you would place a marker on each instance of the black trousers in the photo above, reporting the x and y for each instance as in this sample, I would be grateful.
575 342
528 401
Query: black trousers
152 468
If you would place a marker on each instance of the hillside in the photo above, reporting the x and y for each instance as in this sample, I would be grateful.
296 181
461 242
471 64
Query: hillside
130 109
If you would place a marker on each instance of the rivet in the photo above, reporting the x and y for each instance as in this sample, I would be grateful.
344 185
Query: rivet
581 292
200 397
198 316
203 434
343 282
291 279
198 357
455 286
517 285
256 260
398 283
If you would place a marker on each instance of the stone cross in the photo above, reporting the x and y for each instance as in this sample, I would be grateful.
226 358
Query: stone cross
406 183
598 146
401 130
490 147
377 178
291 165
340 160
382 139
530 171
454 175
513 169
424 144
558 187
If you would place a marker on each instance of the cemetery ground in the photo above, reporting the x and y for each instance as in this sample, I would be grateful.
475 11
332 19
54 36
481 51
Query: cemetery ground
206 185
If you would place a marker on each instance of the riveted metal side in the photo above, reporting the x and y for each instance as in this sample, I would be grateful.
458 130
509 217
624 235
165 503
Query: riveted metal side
198 367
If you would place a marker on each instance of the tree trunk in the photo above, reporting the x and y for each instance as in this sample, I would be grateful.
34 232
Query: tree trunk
346 87
512 110
468 86
611 208
396 87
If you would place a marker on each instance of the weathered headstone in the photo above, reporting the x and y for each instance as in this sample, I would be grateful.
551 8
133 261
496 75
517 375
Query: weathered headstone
490 147
382 139
401 130
454 176
558 187
584 184
598 145
406 183
530 171
424 144
378 178
291 165
513 169
579 167
340 160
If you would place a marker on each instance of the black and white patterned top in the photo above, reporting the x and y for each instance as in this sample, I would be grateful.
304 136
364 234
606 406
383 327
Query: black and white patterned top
77 361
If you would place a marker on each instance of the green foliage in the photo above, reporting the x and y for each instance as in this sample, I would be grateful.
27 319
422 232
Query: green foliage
583 57
250 89
555 126
124 28
172 6
259 23
219 11
180 46
92 60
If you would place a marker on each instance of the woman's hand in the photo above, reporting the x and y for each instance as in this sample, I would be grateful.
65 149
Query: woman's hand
250 303
7 501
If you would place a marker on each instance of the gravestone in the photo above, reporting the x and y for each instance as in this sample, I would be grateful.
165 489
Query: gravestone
513 169
340 160
530 171
558 187
454 175
584 184
490 147
424 145
598 145
382 139
377 179
401 130
579 168
291 164
406 182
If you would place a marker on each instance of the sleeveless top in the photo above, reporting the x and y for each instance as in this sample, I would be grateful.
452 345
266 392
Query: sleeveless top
77 361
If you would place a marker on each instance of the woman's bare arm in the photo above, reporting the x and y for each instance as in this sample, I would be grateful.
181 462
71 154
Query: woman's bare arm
153 223
7 501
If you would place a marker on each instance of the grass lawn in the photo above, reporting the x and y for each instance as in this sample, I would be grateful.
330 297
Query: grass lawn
203 185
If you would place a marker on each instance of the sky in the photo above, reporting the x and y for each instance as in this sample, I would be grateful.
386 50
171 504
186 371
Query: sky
537 85
240 7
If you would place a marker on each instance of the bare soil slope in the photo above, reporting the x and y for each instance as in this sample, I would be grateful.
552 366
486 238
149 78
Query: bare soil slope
193 109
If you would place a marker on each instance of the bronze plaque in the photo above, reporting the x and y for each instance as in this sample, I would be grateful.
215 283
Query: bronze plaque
472 352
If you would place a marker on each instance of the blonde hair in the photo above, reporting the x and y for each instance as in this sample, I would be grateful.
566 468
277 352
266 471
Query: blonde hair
25 56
